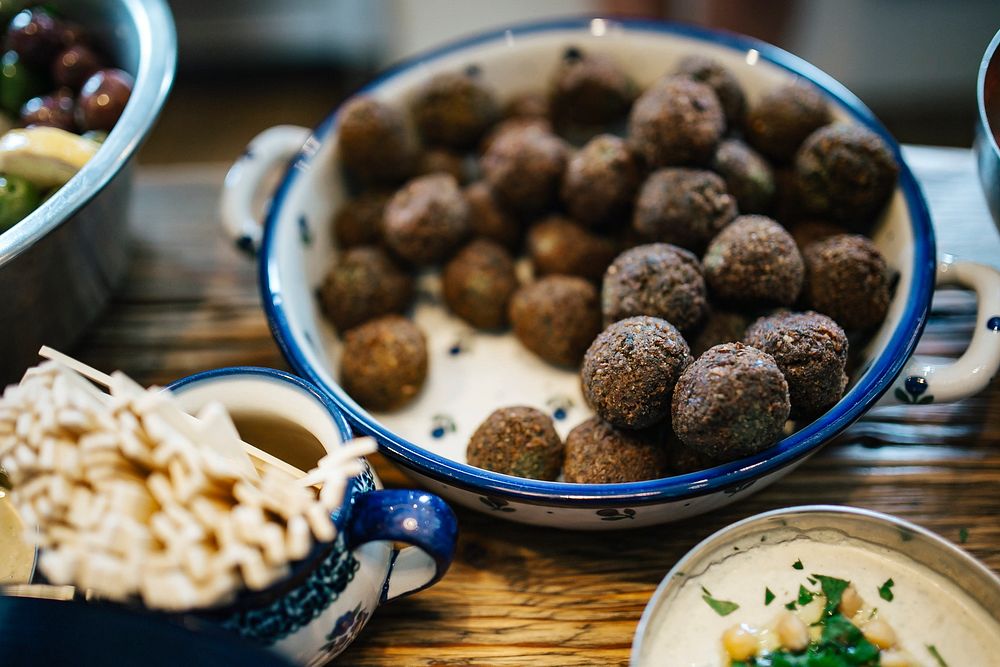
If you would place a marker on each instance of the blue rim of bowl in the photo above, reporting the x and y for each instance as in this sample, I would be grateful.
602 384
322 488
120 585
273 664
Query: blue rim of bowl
875 382
154 77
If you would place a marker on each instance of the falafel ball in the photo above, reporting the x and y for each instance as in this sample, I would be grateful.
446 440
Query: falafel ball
659 280
374 143
719 326
747 174
807 232
478 283
519 441
514 123
558 245
685 207
589 89
454 109
783 118
527 105
441 160
384 362
629 371
556 317
845 173
426 220
600 181
358 221
683 459
677 121
364 284
725 84
754 262
848 279
524 167
811 351
731 402
487 220
599 453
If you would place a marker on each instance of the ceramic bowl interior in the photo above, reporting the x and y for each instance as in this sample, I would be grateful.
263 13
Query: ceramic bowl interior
471 372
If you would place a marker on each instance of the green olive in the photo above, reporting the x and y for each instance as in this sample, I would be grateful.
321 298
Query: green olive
17 83
18 198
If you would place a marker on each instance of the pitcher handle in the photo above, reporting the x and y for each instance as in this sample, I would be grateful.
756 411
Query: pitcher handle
418 518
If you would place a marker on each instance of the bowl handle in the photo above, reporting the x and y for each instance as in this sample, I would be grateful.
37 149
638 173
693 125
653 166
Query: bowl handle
269 149
924 380
413 517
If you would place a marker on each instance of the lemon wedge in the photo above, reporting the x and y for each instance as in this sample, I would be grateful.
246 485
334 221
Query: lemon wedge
45 156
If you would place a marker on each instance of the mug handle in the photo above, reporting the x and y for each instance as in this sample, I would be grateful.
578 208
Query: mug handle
413 517
269 149
925 380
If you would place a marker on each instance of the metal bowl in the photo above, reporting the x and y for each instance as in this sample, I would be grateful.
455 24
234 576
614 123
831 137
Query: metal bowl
986 144
59 265
877 531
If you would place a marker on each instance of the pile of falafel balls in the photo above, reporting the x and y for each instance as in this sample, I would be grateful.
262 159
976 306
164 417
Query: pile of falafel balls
700 258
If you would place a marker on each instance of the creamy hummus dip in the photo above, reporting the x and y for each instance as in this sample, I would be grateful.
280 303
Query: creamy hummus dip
928 613
16 556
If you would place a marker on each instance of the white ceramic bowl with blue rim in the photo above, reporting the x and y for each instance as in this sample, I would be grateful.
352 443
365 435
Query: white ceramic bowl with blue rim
472 373
315 613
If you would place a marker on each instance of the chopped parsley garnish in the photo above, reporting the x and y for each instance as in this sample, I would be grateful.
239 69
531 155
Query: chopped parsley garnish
768 596
833 590
885 590
937 656
790 606
840 645
805 596
963 535
798 564
811 580
721 607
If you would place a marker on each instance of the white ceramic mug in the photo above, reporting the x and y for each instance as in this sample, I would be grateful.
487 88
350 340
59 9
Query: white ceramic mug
311 616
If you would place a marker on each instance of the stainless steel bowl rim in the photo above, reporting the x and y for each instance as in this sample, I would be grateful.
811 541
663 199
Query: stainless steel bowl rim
711 544
984 121
154 77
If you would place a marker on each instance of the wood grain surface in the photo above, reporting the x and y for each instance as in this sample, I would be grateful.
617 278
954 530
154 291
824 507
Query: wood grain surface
520 595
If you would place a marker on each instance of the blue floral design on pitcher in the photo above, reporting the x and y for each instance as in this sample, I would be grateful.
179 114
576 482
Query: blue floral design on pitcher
344 631
299 606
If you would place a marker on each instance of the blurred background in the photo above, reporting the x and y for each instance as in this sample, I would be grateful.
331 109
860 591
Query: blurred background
246 65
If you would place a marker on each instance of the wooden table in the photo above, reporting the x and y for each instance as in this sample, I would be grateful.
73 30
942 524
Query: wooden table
519 595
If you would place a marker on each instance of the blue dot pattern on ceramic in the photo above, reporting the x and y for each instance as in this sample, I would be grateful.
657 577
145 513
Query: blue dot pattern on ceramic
993 324
441 425
304 232
320 589
496 504
915 387
302 604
